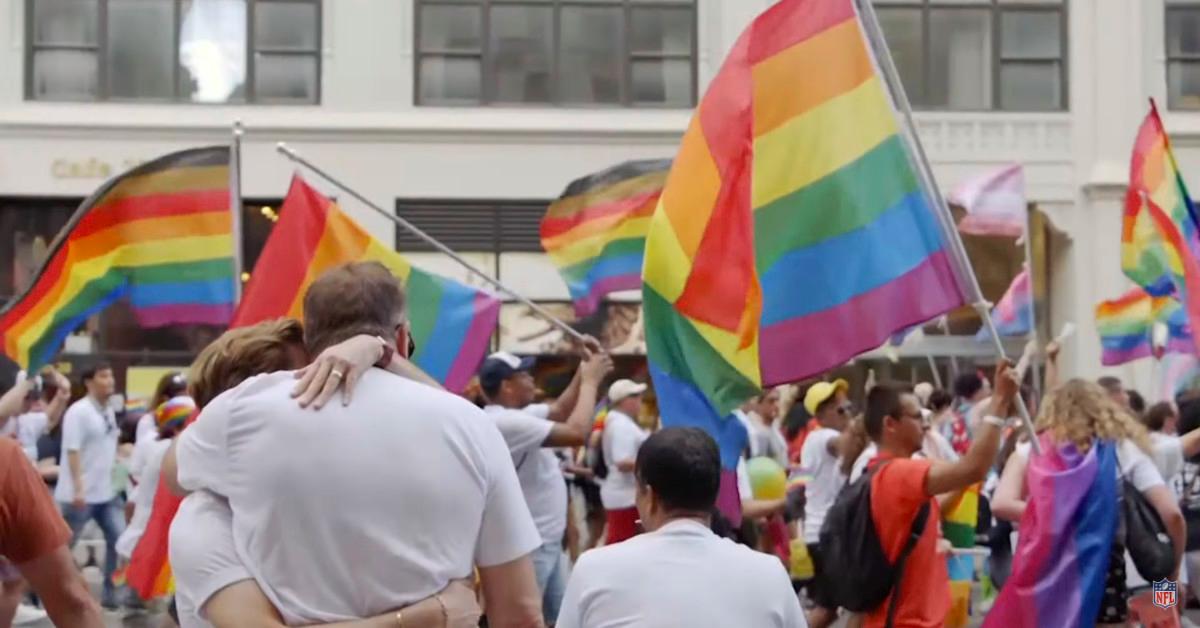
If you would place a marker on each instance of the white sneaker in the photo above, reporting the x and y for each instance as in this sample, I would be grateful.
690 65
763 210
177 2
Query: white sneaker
27 614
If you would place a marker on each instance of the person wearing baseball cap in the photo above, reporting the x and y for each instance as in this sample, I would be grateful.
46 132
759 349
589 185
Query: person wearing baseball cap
531 431
826 402
619 445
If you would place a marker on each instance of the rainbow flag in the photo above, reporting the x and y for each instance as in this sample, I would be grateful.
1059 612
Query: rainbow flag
595 232
451 323
159 235
1171 313
959 525
1126 327
768 259
1160 249
1067 532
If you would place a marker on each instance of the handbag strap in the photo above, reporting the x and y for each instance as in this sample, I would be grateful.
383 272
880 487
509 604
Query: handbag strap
914 535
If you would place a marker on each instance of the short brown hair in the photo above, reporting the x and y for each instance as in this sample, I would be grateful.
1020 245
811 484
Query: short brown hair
242 353
352 299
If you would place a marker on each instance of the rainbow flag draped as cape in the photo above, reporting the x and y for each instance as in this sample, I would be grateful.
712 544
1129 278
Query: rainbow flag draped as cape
595 233
1160 249
159 235
1126 327
1067 532
768 258
451 323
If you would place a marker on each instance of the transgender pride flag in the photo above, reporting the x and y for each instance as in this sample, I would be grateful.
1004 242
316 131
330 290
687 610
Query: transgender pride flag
1013 315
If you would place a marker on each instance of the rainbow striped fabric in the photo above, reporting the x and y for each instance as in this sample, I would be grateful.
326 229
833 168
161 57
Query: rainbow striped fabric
159 236
1160 249
451 323
595 233
768 259
1126 327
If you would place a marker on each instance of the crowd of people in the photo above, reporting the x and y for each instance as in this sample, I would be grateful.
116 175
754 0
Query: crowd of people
310 474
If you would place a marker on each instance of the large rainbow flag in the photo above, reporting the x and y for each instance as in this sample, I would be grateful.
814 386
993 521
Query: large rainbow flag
1126 327
159 235
1160 244
595 233
451 323
769 259
1067 530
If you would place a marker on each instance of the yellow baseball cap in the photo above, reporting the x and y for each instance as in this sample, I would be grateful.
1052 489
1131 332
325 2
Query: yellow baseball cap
821 392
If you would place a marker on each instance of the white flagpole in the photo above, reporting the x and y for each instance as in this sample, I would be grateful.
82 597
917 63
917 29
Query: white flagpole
920 163
288 152
1033 331
235 206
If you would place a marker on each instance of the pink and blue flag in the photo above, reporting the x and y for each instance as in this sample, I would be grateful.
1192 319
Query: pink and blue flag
994 202
1059 570
1013 314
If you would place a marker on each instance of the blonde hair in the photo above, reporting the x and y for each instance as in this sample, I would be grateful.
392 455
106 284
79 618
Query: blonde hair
1079 411
242 353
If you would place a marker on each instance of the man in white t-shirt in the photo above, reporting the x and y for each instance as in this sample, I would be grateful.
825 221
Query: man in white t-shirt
352 510
679 573
530 431
619 445
826 402
89 451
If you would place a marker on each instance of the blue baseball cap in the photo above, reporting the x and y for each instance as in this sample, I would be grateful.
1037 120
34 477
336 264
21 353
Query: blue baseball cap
500 366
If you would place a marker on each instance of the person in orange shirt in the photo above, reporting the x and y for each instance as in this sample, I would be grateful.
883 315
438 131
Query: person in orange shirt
900 487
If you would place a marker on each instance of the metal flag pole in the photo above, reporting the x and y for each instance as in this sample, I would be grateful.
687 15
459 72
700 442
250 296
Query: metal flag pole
288 152
920 162
235 207
937 377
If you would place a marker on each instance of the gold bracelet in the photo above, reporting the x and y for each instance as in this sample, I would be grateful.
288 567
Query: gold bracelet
400 618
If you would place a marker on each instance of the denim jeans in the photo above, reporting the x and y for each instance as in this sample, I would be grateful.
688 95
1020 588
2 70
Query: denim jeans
550 569
109 517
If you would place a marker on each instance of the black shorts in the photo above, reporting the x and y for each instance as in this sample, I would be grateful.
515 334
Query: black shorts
1114 605
818 587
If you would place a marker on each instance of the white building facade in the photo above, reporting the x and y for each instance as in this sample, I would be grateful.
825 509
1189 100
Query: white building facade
483 110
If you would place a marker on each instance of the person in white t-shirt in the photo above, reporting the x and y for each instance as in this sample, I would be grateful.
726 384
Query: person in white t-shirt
679 573
89 452
619 445
361 507
170 418
34 407
531 431
827 403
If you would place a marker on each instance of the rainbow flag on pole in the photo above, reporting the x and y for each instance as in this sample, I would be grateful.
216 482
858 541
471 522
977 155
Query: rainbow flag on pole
160 236
595 233
451 323
793 232
1160 249
1126 327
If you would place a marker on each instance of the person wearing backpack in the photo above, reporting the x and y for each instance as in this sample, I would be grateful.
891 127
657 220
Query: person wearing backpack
888 566
827 402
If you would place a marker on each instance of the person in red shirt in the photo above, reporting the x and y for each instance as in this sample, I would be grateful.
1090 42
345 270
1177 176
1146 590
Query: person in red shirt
903 484
33 536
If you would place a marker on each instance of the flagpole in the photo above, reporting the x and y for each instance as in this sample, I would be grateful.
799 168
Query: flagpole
1033 327
235 206
937 377
288 152
920 162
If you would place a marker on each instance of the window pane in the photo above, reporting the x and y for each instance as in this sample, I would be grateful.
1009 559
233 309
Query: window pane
287 25
285 77
662 30
450 27
590 55
1183 32
960 49
212 50
668 82
68 74
1030 35
902 29
141 49
449 81
65 22
1030 87
521 50
1183 85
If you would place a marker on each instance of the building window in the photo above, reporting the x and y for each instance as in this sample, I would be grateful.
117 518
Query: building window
632 53
1183 55
174 50
472 225
979 54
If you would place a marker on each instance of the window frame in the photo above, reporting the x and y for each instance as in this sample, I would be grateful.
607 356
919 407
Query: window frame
486 56
100 49
1175 7
996 10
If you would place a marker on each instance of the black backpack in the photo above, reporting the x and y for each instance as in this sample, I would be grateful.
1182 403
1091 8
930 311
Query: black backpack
859 575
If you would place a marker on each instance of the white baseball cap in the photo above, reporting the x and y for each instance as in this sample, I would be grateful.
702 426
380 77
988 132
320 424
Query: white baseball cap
623 389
